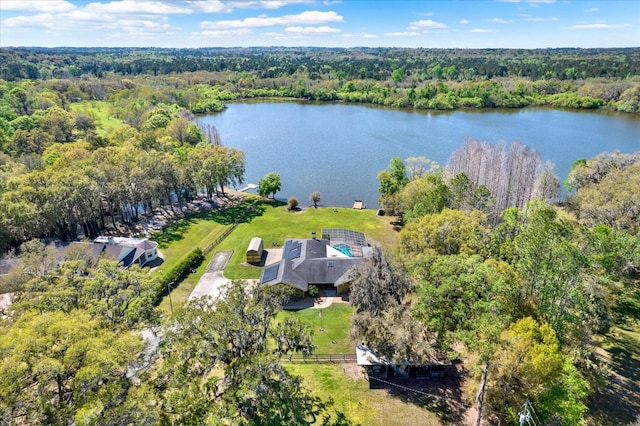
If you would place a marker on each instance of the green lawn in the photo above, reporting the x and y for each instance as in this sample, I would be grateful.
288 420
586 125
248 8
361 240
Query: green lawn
336 322
276 224
180 237
100 112
183 235
346 386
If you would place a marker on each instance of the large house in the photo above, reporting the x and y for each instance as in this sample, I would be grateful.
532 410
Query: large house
126 251
326 262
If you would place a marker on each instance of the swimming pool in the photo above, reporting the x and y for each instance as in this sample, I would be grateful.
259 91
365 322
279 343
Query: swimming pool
344 248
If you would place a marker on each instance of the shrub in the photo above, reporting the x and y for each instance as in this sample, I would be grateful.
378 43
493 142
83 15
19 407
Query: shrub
292 204
174 275
313 291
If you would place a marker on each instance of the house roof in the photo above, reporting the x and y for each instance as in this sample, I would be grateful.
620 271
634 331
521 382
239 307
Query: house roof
309 261
123 250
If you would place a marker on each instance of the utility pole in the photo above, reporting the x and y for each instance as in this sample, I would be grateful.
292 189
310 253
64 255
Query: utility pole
169 292
480 394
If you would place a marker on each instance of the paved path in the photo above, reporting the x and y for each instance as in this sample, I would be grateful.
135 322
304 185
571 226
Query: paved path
213 279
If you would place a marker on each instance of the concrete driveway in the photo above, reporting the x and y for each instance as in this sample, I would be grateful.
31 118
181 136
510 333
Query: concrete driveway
213 279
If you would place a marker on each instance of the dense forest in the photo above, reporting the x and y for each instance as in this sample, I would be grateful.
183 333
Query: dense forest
419 78
488 267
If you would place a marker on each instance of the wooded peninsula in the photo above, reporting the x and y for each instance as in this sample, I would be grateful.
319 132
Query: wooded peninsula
531 299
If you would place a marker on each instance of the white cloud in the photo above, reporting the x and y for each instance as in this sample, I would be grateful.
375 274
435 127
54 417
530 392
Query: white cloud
593 9
210 6
596 26
482 30
403 34
306 18
45 20
136 7
362 35
464 21
311 30
552 19
123 19
500 21
225 33
262 4
36 6
426 23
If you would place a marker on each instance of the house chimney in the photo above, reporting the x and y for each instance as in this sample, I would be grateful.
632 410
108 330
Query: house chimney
313 235
111 241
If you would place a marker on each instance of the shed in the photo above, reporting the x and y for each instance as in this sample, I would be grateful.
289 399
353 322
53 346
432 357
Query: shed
254 251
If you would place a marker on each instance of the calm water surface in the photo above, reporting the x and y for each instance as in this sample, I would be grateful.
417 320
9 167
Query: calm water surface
338 149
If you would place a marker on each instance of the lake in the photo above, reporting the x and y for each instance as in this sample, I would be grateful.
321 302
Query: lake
338 149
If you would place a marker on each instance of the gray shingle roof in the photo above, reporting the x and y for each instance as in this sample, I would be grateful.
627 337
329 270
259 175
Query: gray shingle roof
310 261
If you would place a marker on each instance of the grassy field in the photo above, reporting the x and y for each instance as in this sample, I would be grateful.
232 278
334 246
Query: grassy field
336 323
275 224
351 395
180 294
268 220
344 384
618 401
100 112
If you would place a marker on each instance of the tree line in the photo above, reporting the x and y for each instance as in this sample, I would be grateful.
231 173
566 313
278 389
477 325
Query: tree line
350 63
407 78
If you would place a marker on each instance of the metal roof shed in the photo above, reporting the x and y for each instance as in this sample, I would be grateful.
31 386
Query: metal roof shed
254 251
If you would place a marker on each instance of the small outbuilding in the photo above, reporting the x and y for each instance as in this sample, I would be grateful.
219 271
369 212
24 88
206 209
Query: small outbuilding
255 250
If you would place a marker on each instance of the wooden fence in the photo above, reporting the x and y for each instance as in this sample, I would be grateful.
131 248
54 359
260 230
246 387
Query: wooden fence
320 358
218 240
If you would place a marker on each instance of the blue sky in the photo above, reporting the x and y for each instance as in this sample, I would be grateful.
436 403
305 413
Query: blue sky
346 23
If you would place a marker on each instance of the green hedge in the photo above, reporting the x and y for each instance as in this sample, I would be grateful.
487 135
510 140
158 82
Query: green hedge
191 261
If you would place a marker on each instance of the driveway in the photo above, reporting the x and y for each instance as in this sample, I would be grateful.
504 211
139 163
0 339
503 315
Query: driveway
213 279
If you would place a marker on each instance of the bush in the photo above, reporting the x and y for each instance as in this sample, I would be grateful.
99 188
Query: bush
313 291
174 275
292 204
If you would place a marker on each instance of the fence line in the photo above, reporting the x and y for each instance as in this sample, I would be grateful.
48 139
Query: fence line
320 358
218 240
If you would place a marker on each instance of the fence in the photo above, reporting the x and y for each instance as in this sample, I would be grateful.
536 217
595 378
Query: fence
321 358
218 240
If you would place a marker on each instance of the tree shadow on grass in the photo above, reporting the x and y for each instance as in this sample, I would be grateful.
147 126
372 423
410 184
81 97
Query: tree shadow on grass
441 396
242 212
618 402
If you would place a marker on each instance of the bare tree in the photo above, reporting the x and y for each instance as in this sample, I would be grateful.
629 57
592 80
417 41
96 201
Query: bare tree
211 134
514 176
